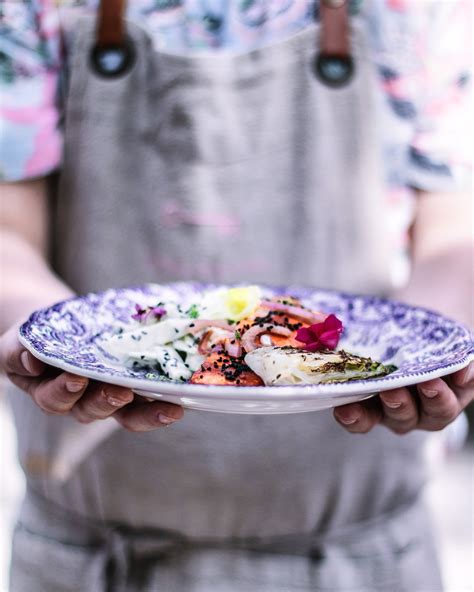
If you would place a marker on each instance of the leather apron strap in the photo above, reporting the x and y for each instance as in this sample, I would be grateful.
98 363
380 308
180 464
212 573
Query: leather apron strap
112 54
334 64
110 23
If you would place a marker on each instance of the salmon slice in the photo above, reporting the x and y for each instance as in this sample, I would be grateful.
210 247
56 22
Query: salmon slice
222 369
278 318
291 340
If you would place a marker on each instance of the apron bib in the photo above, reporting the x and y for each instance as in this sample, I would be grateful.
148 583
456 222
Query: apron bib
226 168
223 168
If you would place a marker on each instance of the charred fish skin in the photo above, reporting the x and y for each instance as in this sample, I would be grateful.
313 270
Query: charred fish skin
291 365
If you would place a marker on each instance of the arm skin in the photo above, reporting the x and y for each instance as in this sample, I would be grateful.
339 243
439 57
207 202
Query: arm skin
27 283
442 279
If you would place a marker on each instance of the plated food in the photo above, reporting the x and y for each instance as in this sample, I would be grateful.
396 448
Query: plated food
422 344
236 336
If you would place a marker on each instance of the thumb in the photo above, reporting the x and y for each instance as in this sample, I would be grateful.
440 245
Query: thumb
15 359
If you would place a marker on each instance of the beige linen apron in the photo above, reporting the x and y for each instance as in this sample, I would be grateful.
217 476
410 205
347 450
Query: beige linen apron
222 168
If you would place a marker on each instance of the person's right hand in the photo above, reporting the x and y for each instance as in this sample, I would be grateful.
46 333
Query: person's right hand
62 393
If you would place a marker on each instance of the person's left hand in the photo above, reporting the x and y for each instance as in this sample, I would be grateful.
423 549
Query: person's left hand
430 406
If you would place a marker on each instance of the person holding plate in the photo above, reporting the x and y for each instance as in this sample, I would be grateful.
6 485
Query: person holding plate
266 142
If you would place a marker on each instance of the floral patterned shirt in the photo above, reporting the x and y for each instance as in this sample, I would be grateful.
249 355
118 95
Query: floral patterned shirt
420 49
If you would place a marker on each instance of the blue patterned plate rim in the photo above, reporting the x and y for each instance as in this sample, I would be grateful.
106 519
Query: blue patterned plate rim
450 347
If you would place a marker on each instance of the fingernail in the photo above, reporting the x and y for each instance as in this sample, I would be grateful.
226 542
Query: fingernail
164 419
347 419
430 393
75 387
392 404
25 361
117 402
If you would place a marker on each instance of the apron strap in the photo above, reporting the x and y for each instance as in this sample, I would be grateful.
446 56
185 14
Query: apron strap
113 52
111 24
334 65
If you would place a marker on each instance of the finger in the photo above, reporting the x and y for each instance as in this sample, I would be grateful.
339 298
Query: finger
439 405
101 400
57 395
400 410
462 383
15 359
143 417
359 418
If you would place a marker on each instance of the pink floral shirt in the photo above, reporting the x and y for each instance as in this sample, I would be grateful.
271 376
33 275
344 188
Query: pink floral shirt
420 49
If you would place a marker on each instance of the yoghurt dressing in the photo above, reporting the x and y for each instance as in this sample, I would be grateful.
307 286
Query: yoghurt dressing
160 343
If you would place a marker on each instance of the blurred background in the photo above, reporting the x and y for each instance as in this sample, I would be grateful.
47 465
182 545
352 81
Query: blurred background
450 495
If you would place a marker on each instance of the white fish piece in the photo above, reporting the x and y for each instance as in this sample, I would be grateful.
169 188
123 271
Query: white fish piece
194 361
188 344
143 338
167 357
173 311
291 365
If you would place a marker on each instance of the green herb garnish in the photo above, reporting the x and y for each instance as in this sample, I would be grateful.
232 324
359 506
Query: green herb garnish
193 311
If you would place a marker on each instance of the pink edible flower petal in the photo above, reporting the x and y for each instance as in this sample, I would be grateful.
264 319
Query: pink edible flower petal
139 313
142 315
305 334
324 335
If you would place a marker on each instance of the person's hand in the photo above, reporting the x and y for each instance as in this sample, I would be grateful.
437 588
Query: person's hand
431 406
62 393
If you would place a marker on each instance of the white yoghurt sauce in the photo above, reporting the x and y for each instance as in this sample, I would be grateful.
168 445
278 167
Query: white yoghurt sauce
158 343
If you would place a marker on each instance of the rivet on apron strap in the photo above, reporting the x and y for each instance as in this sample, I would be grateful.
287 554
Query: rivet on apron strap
334 65
113 53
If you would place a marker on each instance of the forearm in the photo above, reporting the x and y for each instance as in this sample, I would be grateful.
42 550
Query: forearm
444 283
27 282
443 271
